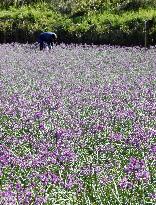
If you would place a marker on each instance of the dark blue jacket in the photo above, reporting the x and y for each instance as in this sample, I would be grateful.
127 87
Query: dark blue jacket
47 37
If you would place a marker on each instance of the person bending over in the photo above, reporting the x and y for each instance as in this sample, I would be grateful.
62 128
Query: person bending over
47 37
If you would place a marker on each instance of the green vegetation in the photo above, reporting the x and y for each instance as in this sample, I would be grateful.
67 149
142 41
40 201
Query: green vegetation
80 21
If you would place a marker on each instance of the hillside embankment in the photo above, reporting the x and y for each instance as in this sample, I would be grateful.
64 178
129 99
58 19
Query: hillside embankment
113 22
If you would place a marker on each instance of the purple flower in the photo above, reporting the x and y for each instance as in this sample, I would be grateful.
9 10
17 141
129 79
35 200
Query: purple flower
40 200
53 178
153 149
125 184
59 133
67 155
38 115
134 165
41 126
19 187
63 133
72 181
142 175
8 196
49 177
152 196
97 128
44 179
139 137
47 100
5 158
28 198
116 137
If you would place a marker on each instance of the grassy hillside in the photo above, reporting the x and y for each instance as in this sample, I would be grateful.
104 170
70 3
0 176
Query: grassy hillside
79 21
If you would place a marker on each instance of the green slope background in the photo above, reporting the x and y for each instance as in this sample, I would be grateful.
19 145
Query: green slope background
114 22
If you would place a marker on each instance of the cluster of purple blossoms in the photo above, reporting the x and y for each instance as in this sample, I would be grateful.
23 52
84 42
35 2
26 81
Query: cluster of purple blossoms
5 156
47 100
67 155
8 197
38 115
136 170
116 137
42 126
138 138
142 175
73 181
153 196
49 177
64 155
153 149
18 194
97 128
4 159
61 134
134 165
124 183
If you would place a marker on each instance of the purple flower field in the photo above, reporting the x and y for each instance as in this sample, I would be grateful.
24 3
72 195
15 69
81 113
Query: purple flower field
77 125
